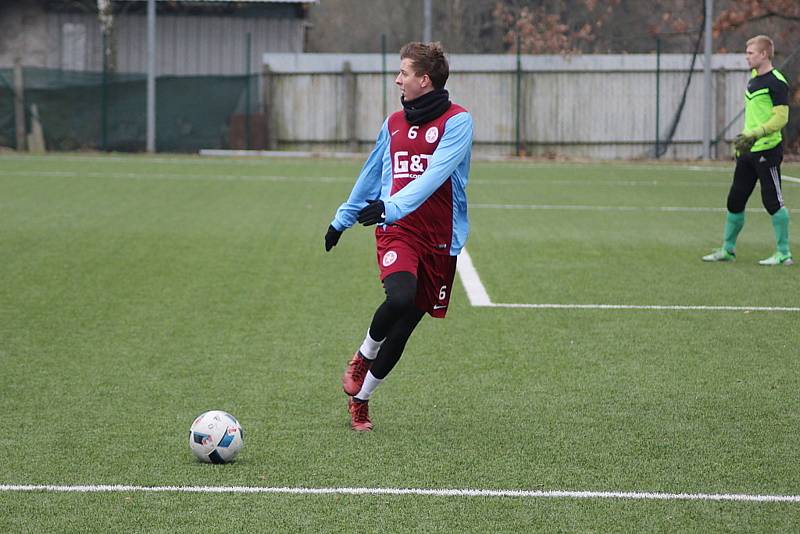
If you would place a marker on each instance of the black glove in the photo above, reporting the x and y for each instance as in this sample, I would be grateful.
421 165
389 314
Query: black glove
372 213
743 143
331 238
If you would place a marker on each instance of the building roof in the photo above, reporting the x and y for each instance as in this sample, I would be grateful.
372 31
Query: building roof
240 1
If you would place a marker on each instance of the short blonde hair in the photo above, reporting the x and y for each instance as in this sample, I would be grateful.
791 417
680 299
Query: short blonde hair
764 44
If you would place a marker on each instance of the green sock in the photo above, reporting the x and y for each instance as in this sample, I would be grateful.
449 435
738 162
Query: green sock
733 225
780 223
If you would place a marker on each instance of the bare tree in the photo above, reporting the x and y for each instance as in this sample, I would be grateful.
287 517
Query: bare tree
548 26
357 26
743 18
105 13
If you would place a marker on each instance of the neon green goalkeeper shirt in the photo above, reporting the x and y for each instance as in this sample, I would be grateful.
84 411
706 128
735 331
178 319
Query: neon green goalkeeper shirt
763 93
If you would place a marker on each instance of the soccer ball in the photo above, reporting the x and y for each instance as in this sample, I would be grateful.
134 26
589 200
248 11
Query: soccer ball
216 437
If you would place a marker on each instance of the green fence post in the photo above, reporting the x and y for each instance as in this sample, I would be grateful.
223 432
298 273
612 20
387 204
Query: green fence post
19 106
248 59
104 97
658 97
519 94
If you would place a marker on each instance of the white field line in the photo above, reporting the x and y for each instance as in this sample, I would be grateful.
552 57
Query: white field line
644 307
302 154
334 179
204 159
599 183
479 297
586 207
177 159
627 495
474 181
476 292
348 179
168 160
728 169
168 176
699 168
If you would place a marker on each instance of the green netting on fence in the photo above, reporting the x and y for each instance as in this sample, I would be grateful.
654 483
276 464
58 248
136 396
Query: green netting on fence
93 111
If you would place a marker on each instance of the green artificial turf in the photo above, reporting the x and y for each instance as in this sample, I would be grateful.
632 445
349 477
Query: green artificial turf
138 292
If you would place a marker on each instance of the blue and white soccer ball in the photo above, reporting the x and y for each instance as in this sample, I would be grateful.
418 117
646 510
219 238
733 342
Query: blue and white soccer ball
216 437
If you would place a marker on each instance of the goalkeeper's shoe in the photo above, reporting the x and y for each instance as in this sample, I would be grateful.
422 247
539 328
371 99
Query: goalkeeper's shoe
777 259
359 415
354 375
720 255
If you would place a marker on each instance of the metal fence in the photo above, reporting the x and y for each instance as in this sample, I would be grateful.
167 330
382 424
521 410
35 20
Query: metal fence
598 106
82 110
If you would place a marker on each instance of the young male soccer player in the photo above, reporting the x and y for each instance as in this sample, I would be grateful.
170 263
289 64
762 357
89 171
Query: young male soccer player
759 152
413 185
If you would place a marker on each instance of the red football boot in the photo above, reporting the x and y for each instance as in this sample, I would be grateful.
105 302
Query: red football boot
354 375
359 415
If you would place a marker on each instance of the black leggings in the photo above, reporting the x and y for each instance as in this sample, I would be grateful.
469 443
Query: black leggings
764 167
394 320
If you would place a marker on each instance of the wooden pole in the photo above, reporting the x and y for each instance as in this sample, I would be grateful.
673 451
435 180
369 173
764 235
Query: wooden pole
707 82
351 92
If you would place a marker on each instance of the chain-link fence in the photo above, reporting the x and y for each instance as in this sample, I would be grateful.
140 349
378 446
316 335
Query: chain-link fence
107 111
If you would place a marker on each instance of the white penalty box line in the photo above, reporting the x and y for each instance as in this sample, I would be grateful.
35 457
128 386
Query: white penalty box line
588 207
426 492
479 297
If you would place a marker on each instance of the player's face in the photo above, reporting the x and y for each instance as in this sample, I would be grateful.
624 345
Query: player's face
411 85
755 56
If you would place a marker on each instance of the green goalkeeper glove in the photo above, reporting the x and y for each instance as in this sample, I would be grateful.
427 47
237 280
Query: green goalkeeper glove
744 143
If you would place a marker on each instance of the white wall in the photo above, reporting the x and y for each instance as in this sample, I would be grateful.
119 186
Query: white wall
187 45
597 106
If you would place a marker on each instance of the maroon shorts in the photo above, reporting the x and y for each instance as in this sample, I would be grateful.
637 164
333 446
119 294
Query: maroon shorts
435 272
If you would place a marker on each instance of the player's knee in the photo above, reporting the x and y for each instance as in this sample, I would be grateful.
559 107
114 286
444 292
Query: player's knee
401 291
400 300
736 202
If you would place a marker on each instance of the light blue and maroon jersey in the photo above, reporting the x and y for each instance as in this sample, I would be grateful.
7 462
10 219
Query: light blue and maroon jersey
420 173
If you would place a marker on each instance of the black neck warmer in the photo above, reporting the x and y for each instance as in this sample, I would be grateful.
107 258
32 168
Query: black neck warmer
426 107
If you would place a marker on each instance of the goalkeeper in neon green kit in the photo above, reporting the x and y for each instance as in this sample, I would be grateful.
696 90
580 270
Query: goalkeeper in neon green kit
759 153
